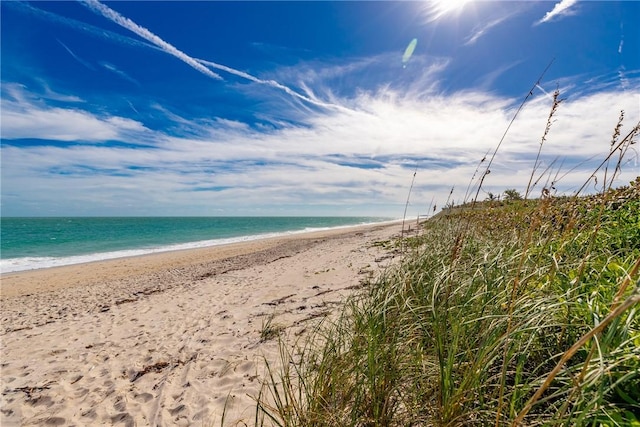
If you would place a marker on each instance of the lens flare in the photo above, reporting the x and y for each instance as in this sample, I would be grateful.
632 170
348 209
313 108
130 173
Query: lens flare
408 52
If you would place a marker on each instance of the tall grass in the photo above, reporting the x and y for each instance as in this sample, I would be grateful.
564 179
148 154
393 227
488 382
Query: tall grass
519 313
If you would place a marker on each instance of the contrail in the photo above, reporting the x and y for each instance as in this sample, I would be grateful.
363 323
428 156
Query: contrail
544 91
127 23
132 107
271 83
120 73
199 64
77 25
76 57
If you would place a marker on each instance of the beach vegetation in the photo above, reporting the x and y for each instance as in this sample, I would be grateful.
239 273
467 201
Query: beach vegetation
531 319
270 329
498 314
512 194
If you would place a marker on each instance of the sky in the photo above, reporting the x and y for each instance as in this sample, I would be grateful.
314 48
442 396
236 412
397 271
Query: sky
293 108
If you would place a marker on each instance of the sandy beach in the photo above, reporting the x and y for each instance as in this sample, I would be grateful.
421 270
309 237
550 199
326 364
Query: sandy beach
170 339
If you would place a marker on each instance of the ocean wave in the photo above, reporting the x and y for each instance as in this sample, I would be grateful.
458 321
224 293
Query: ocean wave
13 265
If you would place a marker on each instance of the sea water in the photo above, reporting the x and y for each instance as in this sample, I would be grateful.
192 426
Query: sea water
31 243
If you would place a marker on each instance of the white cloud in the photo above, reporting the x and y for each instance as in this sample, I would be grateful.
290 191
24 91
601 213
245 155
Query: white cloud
53 95
361 151
297 168
29 120
19 93
560 10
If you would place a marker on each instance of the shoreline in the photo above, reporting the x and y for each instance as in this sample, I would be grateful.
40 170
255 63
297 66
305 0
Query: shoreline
54 262
16 283
171 338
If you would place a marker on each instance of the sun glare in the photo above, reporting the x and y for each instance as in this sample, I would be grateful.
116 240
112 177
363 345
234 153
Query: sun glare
439 8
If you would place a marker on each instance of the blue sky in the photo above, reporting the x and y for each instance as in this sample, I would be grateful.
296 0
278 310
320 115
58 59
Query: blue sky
304 108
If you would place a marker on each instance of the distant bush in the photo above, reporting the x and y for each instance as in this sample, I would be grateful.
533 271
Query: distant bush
512 194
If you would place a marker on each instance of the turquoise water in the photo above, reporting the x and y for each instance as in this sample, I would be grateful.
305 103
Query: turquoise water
28 243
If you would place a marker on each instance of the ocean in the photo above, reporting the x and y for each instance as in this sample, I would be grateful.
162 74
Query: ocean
32 243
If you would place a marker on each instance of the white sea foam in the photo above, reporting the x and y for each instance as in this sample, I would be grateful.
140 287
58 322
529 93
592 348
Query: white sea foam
33 263
12 265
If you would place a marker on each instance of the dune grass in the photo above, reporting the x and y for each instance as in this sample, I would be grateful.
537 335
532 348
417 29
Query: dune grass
501 313
530 317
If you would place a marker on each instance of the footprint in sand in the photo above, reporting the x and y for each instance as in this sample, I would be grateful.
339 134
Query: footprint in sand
55 421
143 397
123 418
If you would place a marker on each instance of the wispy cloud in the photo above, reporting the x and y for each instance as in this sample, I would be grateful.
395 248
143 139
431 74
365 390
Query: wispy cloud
127 23
310 97
49 93
624 81
616 80
560 10
350 158
25 118
481 30
486 81
340 82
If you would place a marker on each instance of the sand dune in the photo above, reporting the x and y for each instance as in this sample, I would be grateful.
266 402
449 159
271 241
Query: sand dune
169 339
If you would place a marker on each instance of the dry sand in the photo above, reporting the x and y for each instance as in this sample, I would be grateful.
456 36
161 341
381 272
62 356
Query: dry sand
169 339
